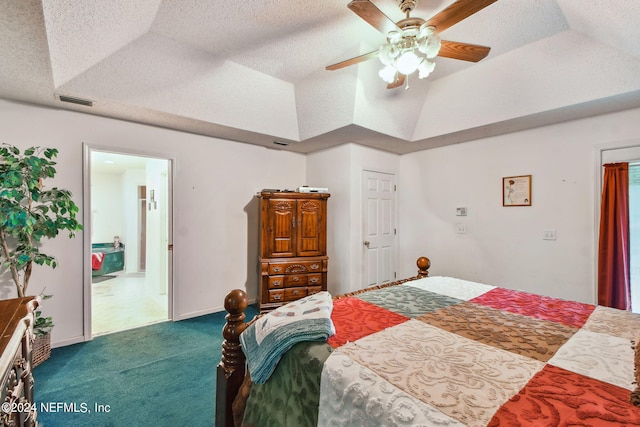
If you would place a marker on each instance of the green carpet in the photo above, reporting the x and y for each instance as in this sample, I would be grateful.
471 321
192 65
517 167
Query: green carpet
158 375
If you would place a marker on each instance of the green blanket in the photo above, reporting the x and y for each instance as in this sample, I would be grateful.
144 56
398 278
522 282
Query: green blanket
290 397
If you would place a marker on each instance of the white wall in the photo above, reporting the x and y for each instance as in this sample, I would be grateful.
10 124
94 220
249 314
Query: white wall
215 247
106 211
340 169
503 245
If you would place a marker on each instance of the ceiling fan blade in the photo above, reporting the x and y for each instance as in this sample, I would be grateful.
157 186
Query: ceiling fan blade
456 12
399 81
372 15
463 51
353 61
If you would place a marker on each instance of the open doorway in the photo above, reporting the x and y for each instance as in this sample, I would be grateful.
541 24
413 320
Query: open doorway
130 240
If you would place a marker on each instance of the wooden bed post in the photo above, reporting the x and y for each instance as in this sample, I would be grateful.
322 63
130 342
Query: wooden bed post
423 264
231 368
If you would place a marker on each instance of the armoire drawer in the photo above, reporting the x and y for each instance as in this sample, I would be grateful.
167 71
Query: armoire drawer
314 279
288 294
295 280
295 267
276 282
292 294
276 295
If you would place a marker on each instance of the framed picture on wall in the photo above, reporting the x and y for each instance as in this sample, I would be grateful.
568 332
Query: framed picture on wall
516 190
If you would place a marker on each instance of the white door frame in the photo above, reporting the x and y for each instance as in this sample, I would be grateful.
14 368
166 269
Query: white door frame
87 225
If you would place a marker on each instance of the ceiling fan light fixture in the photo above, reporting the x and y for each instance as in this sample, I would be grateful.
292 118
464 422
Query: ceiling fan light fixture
414 37
409 50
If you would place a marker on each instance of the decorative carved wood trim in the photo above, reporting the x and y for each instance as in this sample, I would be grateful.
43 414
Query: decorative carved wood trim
282 206
309 205
296 268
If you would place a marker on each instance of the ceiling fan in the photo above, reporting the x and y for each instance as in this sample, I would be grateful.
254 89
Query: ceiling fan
412 42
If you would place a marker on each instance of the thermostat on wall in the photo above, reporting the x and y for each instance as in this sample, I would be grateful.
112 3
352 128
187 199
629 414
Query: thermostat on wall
461 211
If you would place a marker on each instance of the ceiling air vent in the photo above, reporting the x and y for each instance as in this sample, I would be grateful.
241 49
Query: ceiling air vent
283 143
79 101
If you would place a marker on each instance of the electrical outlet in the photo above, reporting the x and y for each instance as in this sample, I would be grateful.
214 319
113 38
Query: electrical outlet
461 228
549 235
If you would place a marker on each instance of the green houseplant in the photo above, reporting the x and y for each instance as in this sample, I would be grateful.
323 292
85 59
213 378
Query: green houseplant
29 211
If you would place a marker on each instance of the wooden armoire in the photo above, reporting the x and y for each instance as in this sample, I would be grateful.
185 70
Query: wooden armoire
293 246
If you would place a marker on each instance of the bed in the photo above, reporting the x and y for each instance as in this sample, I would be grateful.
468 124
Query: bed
442 351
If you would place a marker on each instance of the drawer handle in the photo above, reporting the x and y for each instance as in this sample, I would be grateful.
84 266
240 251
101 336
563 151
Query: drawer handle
296 278
314 280
314 266
277 297
276 283
295 293
276 269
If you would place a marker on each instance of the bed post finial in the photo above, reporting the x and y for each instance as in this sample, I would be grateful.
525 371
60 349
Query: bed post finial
423 264
231 368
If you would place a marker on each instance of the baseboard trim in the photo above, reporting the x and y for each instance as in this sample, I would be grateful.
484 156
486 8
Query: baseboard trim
68 341
216 309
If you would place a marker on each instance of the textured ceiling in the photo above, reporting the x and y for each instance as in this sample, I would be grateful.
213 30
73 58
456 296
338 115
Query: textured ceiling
254 71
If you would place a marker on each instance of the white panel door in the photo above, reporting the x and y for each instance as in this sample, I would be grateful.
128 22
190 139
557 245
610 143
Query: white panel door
379 228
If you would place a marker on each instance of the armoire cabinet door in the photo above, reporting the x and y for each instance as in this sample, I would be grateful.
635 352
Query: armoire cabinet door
281 228
311 227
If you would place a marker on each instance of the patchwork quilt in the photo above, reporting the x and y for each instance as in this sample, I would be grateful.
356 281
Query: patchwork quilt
448 352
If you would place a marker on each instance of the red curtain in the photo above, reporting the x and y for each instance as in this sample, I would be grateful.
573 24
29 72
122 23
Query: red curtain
614 286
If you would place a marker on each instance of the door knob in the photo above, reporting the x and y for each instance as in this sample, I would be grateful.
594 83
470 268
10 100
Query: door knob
366 243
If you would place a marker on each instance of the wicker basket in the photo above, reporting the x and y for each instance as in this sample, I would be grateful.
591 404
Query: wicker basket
41 349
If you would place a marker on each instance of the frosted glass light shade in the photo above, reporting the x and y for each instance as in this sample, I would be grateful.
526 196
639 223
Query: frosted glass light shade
408 62
430 46
425 68
388 74
388 54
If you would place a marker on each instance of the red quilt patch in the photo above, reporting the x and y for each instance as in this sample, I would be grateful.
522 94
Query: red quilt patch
569 313
354 318
557 397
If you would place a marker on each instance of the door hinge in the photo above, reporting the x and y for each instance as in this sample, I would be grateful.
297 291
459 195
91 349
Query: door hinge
394 274
395 231
395 188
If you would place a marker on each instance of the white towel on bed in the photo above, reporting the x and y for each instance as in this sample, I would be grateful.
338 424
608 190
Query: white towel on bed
268 338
